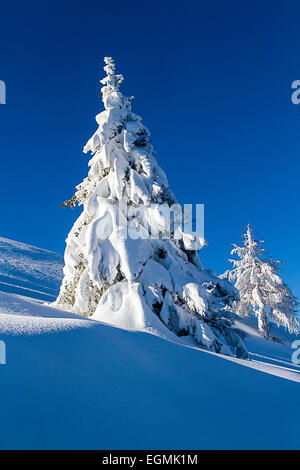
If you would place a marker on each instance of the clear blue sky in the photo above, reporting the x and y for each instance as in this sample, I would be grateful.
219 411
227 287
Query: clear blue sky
212 81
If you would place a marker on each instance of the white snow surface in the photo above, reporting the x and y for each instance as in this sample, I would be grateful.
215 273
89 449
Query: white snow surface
74 383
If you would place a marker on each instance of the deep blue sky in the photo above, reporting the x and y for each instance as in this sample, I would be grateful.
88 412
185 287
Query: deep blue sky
212 81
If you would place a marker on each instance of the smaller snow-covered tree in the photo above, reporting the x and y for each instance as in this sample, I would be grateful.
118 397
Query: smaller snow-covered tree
262 291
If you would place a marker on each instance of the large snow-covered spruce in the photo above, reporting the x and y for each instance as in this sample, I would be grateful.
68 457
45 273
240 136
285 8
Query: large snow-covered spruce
262 291
123 264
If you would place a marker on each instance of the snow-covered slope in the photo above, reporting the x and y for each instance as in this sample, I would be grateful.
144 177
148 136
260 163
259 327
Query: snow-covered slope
71 382
29 271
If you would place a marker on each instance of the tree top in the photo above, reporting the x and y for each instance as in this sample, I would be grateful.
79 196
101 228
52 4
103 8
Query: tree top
112 80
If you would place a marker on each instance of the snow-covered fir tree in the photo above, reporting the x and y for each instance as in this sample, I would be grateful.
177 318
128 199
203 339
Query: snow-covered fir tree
120 267
262 291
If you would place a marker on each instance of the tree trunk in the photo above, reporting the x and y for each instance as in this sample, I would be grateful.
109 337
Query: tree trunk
263 323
